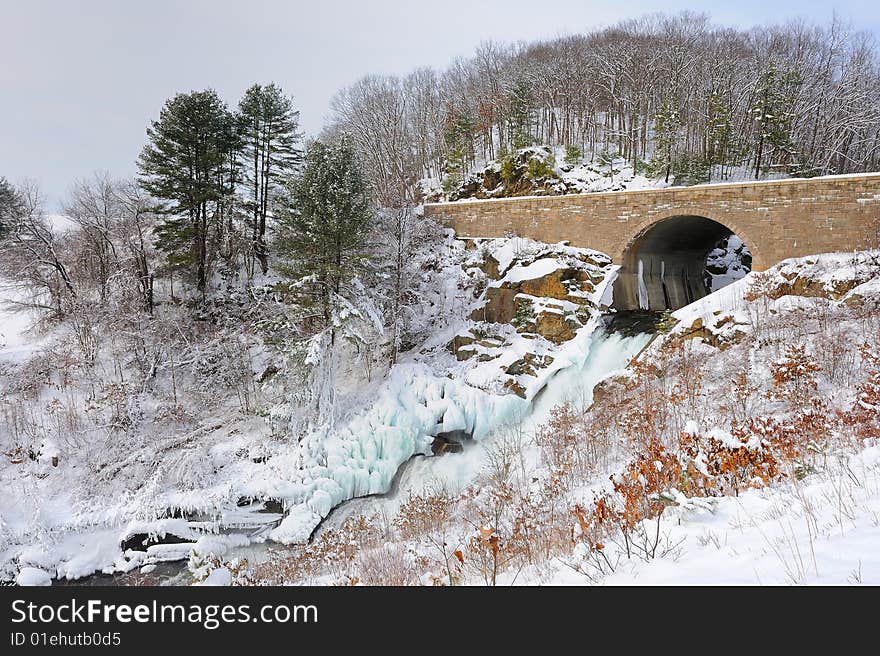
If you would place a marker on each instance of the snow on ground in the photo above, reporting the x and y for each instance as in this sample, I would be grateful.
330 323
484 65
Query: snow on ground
74 555
531 271
32 576
824 530
832 270
589 177
427 393
838 275
16 340
821 525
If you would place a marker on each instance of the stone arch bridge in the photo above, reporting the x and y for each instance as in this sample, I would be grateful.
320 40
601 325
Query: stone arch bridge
661 237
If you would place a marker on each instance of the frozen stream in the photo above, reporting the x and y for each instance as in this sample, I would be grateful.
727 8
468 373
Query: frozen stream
602 353
606 354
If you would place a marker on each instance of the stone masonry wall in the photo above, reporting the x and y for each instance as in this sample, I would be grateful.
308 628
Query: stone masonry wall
777 219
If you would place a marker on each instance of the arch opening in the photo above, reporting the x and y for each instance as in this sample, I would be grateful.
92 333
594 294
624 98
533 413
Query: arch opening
677 261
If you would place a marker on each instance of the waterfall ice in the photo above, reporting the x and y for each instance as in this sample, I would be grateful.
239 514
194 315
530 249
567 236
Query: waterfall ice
363 458
643 289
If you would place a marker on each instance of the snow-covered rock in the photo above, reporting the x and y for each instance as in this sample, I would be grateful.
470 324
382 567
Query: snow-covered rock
218 577
541 171
33 576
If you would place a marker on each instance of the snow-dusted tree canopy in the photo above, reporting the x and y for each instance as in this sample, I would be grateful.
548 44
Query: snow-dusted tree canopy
260 341
669 94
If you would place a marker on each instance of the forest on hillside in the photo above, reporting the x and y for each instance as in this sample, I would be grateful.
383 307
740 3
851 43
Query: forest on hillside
235 219
258 328
668 93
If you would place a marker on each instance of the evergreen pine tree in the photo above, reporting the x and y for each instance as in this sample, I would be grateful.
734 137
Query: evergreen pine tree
666 135
269 129
773 112
520 115
718 131
11 206
458 133
189 165
324 226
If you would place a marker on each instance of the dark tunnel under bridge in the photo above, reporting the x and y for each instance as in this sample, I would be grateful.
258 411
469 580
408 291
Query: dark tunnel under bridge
664 267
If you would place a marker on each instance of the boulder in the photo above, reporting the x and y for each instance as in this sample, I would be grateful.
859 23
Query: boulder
442 445
268 372
501 304
513 386
556 326
458 347
712 335
489 266
796 285
463 346
491 178
527 364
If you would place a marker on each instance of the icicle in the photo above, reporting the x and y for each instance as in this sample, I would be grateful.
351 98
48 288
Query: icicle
643 289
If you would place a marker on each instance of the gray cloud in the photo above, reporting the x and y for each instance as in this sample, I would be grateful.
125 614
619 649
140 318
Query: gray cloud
79 80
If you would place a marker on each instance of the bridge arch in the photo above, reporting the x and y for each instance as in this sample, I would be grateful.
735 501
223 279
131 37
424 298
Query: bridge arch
777 219
663 261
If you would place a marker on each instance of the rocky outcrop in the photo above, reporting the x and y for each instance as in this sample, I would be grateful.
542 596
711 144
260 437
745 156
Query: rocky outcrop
526 172
515 387
722 333
528 364
557 327
532 298
476 342
804 285
565 284
444 443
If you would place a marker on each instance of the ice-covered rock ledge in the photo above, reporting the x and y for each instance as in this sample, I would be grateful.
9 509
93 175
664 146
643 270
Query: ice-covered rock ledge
363 457
416 404
536 307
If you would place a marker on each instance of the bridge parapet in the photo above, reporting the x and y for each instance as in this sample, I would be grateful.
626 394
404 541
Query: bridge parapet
777 219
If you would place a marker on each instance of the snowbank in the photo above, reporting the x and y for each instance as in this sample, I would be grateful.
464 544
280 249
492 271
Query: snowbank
31 576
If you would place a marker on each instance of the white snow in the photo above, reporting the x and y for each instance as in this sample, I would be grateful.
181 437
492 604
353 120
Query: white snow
74 555
771 536
32 576
537 269
870 288
218 577
16 339
70 535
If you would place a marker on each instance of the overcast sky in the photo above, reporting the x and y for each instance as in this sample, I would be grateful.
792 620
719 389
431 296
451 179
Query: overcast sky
81 79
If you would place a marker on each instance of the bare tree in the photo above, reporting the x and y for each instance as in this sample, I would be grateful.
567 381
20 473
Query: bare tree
32 256
602 90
